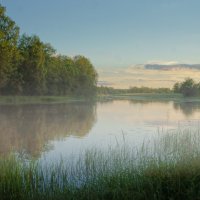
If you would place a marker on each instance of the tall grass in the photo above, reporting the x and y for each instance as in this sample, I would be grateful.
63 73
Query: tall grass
167 168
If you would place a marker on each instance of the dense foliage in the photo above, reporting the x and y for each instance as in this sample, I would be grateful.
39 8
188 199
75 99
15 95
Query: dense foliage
30 67
188 87
110 90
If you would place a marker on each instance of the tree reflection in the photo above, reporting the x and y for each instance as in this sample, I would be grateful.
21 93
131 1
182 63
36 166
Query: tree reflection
30 128
187 108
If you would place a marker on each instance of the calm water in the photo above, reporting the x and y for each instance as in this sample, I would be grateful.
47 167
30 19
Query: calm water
61 130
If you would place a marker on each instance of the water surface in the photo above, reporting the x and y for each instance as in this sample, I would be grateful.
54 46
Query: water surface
52 131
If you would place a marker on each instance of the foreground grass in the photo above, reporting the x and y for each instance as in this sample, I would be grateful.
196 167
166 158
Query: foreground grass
168 168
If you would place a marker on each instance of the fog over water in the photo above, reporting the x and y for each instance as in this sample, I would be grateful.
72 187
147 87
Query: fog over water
61 130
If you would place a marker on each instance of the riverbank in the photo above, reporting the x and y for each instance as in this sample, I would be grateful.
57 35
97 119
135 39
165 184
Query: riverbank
169 169
150 97
65 99
5 100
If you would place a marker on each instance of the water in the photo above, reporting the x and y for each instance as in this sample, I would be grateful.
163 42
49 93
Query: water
51 131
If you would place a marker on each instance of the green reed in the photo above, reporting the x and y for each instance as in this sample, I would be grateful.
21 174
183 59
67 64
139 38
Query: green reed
165 168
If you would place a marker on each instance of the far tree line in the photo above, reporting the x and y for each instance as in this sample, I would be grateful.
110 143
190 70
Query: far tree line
188 88
29 66
109 90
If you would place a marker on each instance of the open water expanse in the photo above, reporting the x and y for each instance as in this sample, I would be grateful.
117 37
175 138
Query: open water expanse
52 132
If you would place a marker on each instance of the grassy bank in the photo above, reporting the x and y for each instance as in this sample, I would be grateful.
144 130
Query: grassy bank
150 97
4 100
168 168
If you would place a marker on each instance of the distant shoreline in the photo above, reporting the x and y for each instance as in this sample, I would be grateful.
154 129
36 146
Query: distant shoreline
15 100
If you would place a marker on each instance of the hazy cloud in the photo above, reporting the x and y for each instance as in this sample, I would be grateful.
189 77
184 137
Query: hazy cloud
139 76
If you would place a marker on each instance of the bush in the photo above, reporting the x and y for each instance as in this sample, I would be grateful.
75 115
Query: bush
188 88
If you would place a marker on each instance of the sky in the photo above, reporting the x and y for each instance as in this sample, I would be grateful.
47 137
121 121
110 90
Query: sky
114 33
117 35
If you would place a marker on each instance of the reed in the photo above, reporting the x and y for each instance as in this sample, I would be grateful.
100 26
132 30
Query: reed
167 168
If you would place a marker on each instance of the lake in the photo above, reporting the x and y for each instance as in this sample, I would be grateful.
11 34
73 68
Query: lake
53 131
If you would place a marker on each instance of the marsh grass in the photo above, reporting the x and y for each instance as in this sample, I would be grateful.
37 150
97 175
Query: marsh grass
10 100
167 168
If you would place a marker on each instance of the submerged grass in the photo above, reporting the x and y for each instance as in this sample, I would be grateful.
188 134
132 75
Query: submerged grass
168 168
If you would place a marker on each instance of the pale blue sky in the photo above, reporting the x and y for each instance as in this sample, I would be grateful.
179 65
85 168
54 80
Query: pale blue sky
114 33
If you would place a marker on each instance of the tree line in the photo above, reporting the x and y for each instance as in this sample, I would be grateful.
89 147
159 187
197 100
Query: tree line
188 87
29 66
109 90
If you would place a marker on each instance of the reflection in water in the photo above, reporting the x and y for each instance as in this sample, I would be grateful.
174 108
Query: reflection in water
144 102
37 129
30 128
188 108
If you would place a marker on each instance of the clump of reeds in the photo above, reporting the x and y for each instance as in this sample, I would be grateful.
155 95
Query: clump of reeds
168 168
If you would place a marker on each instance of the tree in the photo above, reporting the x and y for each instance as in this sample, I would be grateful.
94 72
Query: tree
32 67
189 87
9 34
176 87
86 75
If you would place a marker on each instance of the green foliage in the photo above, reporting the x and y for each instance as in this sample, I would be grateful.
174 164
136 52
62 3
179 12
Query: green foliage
132 90
9 34
176 87
30 67
188 88
149 90
168 168
67 75
86 75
